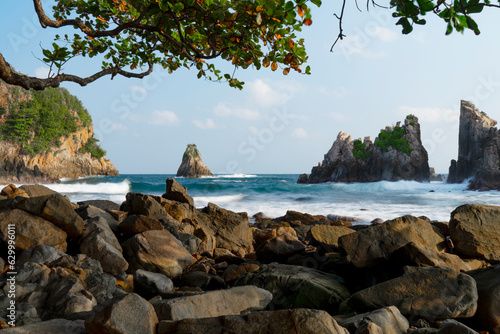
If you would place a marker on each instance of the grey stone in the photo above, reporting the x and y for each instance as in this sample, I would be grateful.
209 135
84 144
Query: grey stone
149 284
388 319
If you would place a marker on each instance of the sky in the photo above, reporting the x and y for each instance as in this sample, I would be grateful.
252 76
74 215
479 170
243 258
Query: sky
284 124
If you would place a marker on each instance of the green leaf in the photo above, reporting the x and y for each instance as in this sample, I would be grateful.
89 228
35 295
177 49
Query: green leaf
316 2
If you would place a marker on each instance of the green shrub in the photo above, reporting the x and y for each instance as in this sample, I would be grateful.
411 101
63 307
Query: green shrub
92 146
393 139
410 116
360 151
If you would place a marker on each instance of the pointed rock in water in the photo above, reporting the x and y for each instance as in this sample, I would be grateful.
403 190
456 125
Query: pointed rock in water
396 154
192 166
478 150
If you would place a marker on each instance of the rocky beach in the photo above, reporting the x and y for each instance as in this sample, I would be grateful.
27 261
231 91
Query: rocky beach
156 264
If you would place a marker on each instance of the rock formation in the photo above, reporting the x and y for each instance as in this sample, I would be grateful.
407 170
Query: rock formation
192 166
45 156
397 154
478 150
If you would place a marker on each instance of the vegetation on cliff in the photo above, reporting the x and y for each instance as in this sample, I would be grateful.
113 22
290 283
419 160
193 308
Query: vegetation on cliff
360 151
37 120
393 138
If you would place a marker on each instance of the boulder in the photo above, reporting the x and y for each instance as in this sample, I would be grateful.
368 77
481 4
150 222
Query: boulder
369 328
57 209
295 218
432 293
418 256
31 231
89 211
388 319
475 231
176 192
102 204
297 287
303 178
327 236
100 243
40 254
146 205
126 314
488 304
279 248
233 272
148 284
210 304
12 191
134 224
375 244
202 280
157 251
50 326
192 166
303 321
36 190
451 326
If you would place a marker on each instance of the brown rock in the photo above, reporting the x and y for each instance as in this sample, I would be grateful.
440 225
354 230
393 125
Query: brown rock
31 231
12 191
488 305
387 320
176 192
474 231
192 166
375 244
327 236
36 190
157 251
294 321
261 236
234 272
50 326
279 249
134 224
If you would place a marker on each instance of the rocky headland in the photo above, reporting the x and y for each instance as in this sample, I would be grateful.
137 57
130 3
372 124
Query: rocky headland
192 166
478 150
396 154
159 265
45 136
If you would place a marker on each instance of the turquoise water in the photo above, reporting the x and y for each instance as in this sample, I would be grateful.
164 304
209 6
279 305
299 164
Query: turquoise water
275 194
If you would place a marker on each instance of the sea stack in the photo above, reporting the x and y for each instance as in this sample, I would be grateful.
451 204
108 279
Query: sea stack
396 154
478 150
192 166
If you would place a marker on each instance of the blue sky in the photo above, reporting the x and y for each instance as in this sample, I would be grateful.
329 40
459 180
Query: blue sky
285 124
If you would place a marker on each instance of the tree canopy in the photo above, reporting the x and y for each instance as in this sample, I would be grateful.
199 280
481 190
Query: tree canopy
132 36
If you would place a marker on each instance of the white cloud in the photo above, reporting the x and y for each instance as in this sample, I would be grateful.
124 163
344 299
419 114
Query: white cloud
339 92
163 117
206 124
246 113
357 46
271 94
42 72
431 115
384 34
299 133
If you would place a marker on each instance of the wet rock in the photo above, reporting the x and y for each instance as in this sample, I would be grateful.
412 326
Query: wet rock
302 178
265 322
156 251
474 231
297 287
210 304
127 314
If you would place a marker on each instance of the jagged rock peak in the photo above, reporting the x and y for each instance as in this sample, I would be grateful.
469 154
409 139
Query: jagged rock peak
192 166
478 150
396 154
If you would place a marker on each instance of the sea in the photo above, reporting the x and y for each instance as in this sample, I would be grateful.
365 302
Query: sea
274 194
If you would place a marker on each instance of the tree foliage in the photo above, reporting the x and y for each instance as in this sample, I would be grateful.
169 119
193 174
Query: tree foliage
131 36
394 139
37 120
360 151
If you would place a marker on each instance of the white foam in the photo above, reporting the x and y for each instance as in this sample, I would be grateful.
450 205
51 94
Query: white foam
204 200
87 188
236 176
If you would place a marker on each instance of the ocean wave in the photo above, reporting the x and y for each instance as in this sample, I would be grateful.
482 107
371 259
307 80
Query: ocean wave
203 200
397 186
235 176
86 188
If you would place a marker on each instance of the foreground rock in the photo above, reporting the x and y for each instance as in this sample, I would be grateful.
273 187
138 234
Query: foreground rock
127 314
302 321
488 305
50 326
298 287
432 293
389 320
192 166
478 150
396 154
475 231
232 301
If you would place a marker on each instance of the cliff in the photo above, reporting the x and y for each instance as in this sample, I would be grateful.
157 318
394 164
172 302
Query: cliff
397 154
478 150
192 166
45 136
